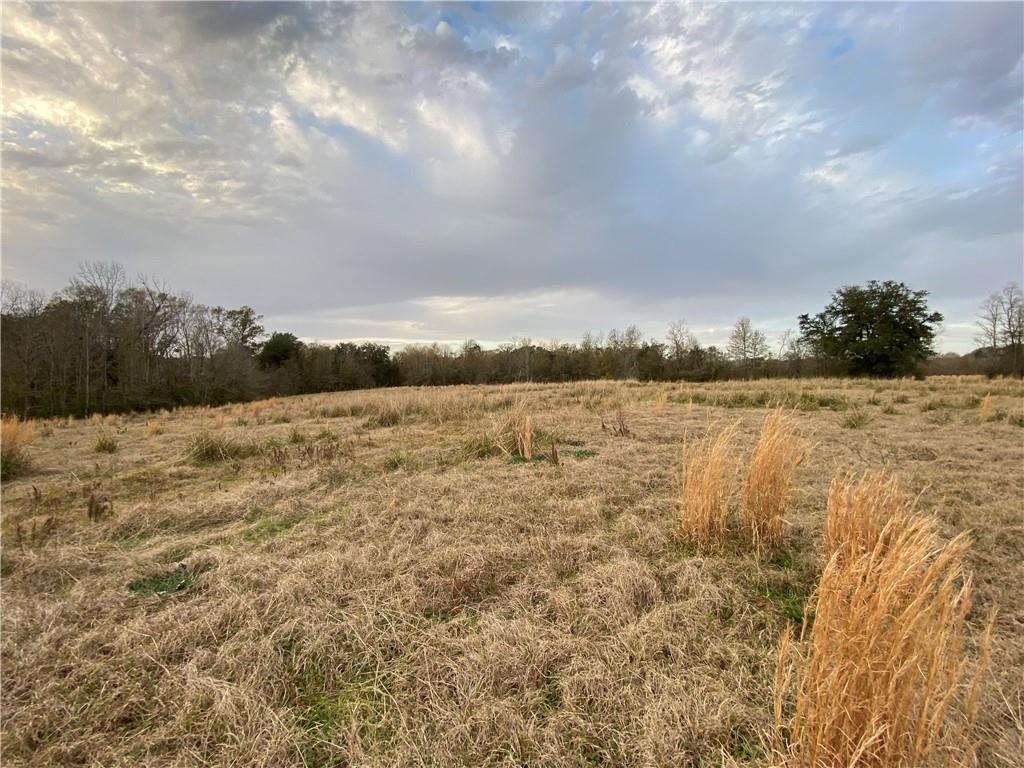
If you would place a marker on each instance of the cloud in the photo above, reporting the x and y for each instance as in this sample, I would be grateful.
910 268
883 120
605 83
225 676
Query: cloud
363 169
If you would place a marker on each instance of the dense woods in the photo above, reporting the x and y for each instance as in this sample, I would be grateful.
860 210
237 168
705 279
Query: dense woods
105 343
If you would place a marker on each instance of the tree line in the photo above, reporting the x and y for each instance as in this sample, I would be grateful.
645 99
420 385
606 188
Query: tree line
105 343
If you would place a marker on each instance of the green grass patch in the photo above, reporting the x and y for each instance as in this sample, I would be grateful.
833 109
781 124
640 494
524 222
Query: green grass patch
789 598
399 460
581 453
357 706
268 527
176 580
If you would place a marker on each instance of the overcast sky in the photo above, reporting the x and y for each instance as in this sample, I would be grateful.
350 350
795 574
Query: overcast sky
440 172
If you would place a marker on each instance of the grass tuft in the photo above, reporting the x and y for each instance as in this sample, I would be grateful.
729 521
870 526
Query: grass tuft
207 448
855 419
857 511
15 435
105 444
514 434
708 470
884 679
986 411
770 481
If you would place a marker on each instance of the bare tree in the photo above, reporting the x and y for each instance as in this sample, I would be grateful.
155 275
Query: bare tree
1012 333
746 343
681 340
989 322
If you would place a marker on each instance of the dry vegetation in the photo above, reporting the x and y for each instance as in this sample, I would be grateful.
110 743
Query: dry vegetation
505 576
886 681
777 455
708 472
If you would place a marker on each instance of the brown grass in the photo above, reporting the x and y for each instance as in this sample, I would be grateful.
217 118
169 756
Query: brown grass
857 511
986 411
885 680
769 484
15 435
297 604
514 433
661 403
708 472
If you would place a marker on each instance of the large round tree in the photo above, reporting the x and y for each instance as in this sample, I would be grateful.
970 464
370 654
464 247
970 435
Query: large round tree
880 329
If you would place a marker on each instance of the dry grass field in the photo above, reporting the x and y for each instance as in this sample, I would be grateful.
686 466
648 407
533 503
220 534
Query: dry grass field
496 576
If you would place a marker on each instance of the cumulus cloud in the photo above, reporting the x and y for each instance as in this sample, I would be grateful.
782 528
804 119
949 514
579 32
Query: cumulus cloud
440 172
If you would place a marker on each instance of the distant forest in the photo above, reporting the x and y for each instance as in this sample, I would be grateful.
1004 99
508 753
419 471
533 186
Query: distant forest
107 344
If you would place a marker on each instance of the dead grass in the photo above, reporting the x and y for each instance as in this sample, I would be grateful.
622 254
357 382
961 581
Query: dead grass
708 472
886 678
986 411
858 509
661 403
372 597
210 448
514 434
769 483
15 436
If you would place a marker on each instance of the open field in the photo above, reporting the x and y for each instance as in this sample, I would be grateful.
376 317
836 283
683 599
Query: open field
364 578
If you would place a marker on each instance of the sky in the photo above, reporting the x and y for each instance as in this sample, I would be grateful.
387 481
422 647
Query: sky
438 172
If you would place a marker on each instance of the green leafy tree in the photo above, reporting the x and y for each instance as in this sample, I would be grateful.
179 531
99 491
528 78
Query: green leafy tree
881 329
279 349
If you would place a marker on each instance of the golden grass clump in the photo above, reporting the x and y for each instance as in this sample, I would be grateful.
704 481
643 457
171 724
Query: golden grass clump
769 485
514 434
858 509
986 411
15 434
884 680
661 403
708 470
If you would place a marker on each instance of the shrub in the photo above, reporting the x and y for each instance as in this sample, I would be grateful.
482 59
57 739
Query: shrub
15 434
857 511
883 680
770 480
708 470
105 444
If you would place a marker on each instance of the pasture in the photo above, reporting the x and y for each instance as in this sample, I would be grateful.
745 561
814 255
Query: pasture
478 575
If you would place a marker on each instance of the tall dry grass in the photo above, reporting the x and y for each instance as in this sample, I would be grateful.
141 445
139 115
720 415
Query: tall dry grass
707 475
857 511
514 433
15 435
885 679
661 403
769 484
986 411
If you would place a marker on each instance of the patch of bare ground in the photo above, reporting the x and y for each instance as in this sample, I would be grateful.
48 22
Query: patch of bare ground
402 578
